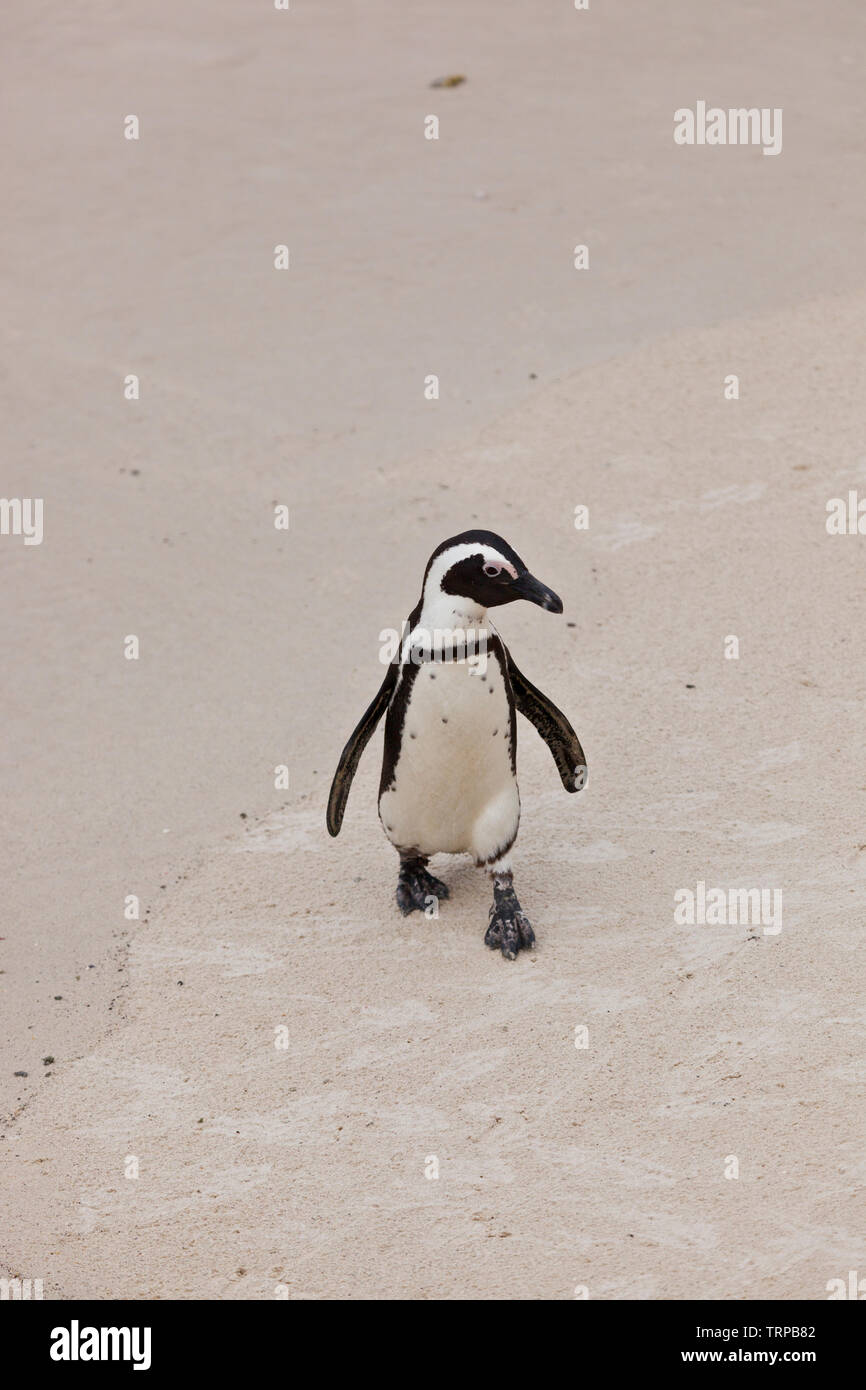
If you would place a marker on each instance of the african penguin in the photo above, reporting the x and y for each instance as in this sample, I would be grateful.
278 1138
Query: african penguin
450 698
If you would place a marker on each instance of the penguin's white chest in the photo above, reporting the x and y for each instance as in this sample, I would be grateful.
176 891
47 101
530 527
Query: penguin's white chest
454 790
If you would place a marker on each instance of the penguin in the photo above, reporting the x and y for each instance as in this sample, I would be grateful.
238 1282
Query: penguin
450 700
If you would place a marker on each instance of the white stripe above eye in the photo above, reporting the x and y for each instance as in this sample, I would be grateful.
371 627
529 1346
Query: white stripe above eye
444 562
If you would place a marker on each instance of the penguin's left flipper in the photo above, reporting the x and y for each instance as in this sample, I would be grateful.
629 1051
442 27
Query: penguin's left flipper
351 754
553 726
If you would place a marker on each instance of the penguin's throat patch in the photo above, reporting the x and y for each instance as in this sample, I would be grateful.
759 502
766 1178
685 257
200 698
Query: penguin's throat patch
469 644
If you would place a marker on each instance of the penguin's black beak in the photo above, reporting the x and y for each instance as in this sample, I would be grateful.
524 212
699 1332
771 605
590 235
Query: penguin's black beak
528 587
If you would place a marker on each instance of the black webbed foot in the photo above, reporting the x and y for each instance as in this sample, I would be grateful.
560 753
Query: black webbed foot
510 930
416 888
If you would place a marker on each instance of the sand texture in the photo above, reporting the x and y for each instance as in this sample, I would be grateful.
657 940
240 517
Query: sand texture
301 1170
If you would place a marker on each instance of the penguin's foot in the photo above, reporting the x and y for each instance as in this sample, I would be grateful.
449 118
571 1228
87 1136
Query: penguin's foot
510 930
416 888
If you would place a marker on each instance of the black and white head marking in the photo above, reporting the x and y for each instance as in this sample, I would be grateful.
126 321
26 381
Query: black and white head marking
470 573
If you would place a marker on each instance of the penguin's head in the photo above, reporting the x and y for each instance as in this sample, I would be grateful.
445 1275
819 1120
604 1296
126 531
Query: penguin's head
482 569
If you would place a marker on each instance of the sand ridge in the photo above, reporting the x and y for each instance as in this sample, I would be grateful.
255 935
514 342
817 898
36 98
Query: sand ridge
559 1166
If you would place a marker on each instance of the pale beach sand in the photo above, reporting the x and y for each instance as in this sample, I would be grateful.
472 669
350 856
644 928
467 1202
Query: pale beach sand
559 1167
262 1169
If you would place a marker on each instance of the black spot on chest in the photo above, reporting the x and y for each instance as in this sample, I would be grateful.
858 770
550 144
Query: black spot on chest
395 720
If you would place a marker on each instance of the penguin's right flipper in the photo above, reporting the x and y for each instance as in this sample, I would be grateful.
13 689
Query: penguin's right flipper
554 728
351 754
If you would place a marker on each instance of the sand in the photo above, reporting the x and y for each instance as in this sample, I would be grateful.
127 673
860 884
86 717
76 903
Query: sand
267 1171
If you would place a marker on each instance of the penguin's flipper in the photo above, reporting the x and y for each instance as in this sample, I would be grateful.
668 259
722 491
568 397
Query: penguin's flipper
553 726
351 754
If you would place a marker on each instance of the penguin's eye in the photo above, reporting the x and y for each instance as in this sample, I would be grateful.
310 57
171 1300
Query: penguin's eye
493 571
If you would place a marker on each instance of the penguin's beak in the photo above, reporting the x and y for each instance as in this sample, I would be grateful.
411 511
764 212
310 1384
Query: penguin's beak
528 587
